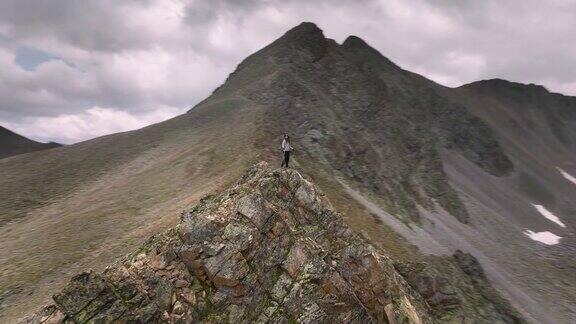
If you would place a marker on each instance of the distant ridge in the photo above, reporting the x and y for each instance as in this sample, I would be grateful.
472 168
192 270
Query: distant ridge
14 144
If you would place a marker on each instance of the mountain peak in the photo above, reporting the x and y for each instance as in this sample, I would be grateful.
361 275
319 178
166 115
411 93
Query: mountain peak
307 39
305 27
363 52
354 41
499 84
305 32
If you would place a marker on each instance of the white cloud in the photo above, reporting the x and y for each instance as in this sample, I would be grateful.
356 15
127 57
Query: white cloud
96 121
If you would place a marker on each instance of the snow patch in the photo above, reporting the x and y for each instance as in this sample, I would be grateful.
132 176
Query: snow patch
548 214
567 175
543 237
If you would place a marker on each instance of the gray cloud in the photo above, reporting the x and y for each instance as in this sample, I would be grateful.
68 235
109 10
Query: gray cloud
89 25
141 61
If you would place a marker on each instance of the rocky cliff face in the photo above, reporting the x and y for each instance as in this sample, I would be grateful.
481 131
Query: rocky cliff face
269 249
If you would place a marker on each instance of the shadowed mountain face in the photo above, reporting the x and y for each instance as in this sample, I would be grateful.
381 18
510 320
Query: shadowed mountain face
14 144
422 170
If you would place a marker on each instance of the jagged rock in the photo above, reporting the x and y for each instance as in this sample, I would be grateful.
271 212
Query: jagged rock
49 315
295 260
436 291
390 316
253 207
269 249
469 264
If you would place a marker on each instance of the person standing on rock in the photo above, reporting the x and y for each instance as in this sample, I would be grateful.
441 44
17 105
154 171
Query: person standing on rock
286 148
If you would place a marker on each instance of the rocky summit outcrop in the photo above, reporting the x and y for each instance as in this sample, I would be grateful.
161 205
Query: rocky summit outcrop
269 249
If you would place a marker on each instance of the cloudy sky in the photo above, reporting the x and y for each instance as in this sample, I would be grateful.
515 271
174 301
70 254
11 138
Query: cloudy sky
71 70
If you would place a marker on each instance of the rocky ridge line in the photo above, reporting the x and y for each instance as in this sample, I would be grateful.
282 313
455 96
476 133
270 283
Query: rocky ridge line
269 249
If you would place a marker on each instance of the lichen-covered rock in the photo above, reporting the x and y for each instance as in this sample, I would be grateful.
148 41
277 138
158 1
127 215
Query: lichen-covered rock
469 264
457 291
269 249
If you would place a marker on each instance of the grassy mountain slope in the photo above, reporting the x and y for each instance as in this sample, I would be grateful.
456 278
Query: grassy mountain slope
86 204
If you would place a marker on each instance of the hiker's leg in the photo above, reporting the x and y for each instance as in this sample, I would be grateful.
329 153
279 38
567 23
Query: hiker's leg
287 158
283 160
